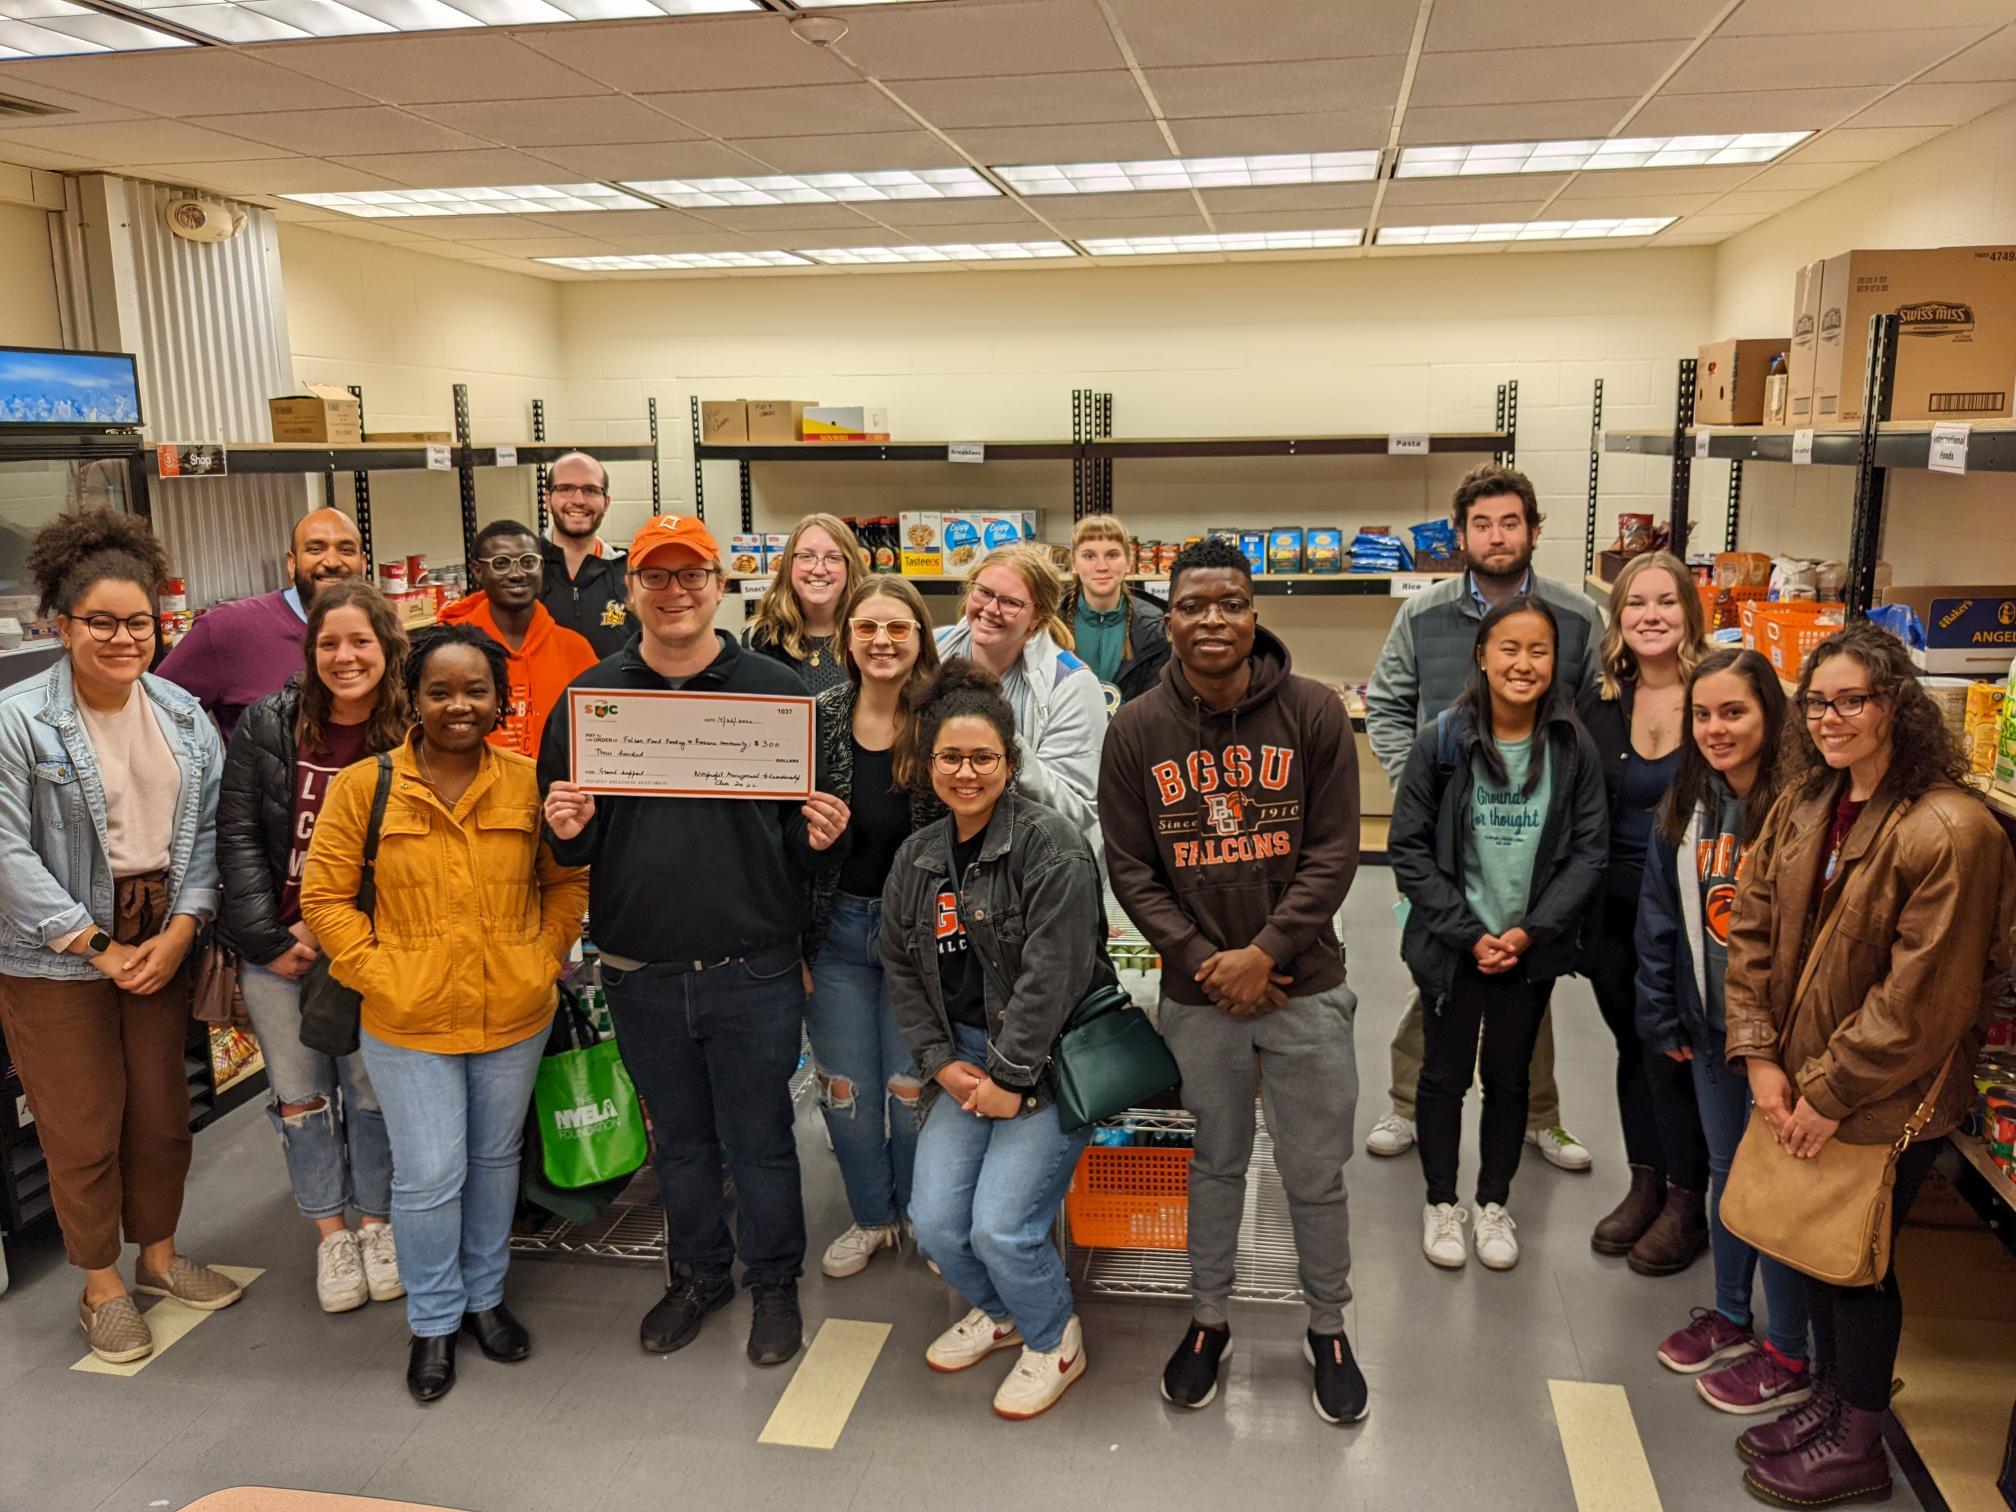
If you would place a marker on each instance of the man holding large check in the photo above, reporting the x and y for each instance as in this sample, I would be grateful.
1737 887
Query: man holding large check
680 771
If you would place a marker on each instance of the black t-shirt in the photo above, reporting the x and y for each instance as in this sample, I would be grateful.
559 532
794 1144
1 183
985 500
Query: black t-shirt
960 974
878 823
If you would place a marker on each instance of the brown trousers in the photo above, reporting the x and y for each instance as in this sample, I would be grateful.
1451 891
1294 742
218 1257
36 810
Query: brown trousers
104 1075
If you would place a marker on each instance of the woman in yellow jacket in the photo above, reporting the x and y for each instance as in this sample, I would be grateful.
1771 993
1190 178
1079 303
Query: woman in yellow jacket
474 922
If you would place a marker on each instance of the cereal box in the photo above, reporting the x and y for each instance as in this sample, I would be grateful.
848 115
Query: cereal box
962 543
922 534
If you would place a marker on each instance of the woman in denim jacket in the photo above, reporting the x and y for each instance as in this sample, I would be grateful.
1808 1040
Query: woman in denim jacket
1001 891
108 871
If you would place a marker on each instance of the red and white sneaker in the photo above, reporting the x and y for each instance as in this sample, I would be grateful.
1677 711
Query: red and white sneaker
1709 1340
1762 1382
969 1341
1040 1377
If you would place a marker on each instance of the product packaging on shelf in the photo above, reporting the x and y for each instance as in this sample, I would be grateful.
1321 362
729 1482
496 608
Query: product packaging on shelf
773 551
1983 724
1284 549
723 421
1729 380
1253 545
1806 286
962 542
2004 776
1324 551
1969 631
923 536
843 422
322 412
774 422
1956 332
745 554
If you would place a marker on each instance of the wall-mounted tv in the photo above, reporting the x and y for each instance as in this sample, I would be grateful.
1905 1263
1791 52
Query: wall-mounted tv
40 386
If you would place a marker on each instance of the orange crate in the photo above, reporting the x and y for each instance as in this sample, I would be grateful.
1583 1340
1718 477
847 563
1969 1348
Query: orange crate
1788 632
1124 1197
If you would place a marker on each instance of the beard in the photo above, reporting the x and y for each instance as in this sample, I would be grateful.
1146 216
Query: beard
307 584
1509 577
560 526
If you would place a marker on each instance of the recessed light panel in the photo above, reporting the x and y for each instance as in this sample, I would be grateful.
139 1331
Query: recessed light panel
1593 156
284 20
655 262
955 252
817 188
56 29
1505 231
1222 241
1192 173
517 199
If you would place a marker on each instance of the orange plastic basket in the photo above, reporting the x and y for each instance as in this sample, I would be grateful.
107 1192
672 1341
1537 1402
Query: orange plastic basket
1130 1198
1788 632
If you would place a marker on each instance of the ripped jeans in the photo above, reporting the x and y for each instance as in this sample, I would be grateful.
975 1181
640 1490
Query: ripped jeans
339 1156
868 1087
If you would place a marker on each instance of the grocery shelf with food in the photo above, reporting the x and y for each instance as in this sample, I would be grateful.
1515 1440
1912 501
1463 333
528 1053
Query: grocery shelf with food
1900 444
1283 585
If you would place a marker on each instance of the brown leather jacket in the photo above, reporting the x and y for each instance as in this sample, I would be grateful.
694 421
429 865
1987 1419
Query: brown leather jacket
1912 937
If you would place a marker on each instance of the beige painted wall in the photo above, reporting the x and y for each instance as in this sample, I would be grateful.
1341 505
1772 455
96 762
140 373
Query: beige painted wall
28 310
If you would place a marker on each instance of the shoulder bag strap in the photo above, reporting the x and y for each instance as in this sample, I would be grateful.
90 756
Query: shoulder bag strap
367 890
1922 1114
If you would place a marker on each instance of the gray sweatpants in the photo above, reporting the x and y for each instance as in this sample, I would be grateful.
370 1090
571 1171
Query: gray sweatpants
1301 1060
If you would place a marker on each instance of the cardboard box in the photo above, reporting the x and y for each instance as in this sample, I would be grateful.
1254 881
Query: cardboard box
723 422
1805 329
410 438
774 422
745 555
320 413
921 534
1969 631
1729 380
773 552
1828 374
413 609
1956 339
843 422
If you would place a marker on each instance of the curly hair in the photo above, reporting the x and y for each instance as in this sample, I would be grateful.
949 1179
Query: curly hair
1206 555
1923 752
961 689
76 551
440 638
391 713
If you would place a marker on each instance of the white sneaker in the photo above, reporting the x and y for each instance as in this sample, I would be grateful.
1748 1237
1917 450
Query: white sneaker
1392 1135
969 1341
1040 1377
1560 1148
850 1253
339 1274
1442 1235
381 1262
1497 1246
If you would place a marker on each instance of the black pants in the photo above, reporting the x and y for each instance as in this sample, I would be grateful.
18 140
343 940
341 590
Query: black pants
1506 1010
1677 1112
1855 1328
1613 972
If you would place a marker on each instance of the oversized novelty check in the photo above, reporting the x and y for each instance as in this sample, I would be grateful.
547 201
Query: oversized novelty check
690 745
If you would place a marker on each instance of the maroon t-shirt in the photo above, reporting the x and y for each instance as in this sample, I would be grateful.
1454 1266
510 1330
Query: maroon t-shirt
312 776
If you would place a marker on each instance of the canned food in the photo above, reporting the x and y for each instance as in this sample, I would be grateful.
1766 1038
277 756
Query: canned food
416 570
392 577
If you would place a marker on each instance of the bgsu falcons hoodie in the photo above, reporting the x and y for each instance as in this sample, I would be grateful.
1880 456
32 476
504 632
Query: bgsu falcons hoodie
551 657
1235 827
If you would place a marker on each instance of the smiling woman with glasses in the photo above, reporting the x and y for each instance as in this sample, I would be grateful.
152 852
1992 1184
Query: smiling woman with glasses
797 621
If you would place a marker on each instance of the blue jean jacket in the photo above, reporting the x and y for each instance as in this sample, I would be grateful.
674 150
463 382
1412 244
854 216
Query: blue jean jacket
54 876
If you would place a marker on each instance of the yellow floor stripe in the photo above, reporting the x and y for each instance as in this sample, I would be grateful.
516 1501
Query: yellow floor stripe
170 1321
1606 1458
816 1405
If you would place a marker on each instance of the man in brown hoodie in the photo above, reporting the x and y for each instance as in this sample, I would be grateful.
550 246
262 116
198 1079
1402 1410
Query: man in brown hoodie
1228 796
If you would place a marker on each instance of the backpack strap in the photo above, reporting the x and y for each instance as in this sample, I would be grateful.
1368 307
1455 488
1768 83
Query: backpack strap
1445 740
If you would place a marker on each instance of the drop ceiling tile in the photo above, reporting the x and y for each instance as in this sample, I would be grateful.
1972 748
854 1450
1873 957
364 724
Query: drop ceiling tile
427 68
1526 121
585 120
1806 173
1078 228
868 149
1825 61
1249 89
1937 104
288 175
963 232
1626 206
21 155
1062 144
1317 200
1609 183
1457 212
451 170
1671 114
1112 206
761 220
139 141
706 239
1484 25
1309 131
1289 220
167 82
930 215
1854 144
1757 201
344 133
1994 57
1026 99
550 246
72 109
611 223
1165 33
1667 238
1794 17
805 109
746 52
960 41
1719 225
385 231
649 160
1534 74
1535 188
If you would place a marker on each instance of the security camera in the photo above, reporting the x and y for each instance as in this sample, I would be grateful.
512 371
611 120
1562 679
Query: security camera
818 31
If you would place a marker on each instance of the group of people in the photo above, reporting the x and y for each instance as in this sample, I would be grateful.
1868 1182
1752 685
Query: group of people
1768 907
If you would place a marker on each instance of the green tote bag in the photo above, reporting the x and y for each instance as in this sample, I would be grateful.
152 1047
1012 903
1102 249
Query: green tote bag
591 1126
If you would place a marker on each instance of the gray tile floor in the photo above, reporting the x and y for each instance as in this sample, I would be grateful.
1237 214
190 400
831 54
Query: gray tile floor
272 1392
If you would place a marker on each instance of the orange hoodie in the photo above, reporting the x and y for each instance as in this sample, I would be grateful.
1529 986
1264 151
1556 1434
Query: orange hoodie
551 657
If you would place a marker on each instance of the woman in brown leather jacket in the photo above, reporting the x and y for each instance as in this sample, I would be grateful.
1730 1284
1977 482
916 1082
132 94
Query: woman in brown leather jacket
1869 933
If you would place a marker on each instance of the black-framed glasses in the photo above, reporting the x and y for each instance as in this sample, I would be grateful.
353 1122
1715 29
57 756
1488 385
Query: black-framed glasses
983 763
1196 609
658 579
527 562
105 627
577 490
982 596
898 630
1846 705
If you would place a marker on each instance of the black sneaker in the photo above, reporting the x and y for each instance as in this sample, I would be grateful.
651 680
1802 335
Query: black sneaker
1340 1395
1190 1379
675 1321
776 1329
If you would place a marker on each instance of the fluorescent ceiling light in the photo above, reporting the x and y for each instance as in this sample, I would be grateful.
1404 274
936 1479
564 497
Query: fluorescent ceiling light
955 252
1593 156
1221 241
516 199
1505 231
817 188
56 28
283 20
652 262
1193 173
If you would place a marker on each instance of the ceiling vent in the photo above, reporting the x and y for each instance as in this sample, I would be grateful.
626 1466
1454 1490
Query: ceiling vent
12 109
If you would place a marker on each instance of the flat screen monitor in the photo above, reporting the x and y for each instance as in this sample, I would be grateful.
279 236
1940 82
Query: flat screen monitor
56 388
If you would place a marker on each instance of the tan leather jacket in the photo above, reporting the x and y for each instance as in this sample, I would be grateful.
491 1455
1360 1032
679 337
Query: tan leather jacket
1911 939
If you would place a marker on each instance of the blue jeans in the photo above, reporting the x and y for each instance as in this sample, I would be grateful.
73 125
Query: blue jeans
1724 1095
457 1125
712 1054
868 1087
339 1156
986 1201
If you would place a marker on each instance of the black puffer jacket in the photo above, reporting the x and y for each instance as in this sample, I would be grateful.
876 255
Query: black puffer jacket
255 821
1147 641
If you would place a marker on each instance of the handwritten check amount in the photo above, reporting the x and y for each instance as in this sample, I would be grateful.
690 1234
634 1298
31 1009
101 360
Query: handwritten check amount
652 744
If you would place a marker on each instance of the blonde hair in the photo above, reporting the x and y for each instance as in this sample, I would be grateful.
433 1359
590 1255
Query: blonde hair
779 619
906 766
1618 663
1099 527
1046 590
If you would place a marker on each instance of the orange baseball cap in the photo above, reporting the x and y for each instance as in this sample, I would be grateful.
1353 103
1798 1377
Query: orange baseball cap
663 532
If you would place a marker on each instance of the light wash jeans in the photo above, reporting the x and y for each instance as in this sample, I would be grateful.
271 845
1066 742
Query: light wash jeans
457 1125
337 1158
855 1040
985 1202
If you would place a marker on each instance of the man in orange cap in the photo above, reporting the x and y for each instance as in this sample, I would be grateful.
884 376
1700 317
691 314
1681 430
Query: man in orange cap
699 904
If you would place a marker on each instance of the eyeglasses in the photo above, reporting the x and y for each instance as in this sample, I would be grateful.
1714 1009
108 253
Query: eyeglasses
1197 609
577 490
981 596
1846 705
658 579
831 560
105 627
982 762
529 562
898 630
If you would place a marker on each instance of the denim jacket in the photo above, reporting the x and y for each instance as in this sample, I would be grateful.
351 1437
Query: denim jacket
1032 909
54 877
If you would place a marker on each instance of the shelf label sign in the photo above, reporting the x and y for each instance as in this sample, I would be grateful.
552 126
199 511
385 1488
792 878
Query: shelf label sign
1948 453
1406 446
1159 587
1407 584
190 460
966 451
440 458
507 456
754 588
22 1117
1802 448
1701 440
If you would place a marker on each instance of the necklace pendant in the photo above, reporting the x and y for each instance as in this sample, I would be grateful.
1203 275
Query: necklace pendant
815 658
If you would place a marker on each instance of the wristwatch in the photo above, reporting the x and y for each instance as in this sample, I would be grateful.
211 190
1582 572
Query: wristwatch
99 943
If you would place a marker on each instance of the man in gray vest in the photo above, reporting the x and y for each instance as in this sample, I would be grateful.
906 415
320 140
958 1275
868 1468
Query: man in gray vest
1427 661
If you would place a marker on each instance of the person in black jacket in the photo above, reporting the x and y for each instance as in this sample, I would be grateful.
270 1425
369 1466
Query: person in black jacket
1121 633
346 705
1500 836
581 584
699 909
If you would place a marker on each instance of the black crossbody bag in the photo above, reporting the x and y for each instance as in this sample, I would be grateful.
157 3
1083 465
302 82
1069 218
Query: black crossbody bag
331 1014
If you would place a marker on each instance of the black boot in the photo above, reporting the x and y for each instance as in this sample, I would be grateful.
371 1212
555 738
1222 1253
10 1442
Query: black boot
1676 1238
1625 1224
501 1336
430 1368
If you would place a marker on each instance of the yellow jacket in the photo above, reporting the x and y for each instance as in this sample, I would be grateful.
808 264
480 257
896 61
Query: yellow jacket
474 918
